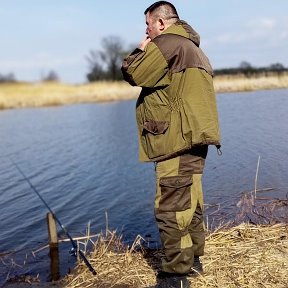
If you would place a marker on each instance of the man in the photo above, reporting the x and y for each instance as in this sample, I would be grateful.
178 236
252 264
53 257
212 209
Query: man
177 119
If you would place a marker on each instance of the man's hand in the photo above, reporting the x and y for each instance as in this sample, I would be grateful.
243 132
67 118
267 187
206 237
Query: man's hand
144 43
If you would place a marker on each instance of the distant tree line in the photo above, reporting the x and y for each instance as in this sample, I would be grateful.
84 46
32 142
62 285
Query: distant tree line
8 78
245 68
51 76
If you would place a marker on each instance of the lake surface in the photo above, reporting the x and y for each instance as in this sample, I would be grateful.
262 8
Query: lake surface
83 161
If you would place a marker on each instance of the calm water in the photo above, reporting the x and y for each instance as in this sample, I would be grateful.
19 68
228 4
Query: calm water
83 161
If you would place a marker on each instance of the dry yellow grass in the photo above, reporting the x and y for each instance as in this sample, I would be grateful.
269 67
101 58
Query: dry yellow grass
20 95
243 256
236 255
241 83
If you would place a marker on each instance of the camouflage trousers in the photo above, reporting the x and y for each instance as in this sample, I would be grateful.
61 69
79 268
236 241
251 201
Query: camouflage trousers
179 209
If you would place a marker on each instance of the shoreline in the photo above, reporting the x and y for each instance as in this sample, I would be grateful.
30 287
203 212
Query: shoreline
29 95
233 258
249 251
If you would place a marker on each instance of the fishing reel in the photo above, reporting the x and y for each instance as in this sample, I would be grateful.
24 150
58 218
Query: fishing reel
73 252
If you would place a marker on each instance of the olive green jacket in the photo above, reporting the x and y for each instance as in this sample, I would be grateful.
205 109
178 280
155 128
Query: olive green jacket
176 108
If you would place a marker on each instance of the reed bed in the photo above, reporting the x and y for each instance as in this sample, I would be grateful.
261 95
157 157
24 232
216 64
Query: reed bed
237 83
22 95
19 95
242 256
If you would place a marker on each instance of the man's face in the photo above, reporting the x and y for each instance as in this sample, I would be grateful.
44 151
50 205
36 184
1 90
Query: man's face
153 26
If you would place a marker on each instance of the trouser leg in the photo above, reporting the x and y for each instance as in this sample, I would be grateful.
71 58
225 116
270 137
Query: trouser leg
197 231
179 193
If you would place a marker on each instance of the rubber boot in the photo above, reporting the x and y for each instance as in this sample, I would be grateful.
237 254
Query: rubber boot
197 268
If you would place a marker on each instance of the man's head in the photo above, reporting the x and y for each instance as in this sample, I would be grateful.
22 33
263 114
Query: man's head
159 16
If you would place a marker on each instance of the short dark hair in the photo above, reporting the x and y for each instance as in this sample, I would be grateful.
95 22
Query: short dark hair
169 9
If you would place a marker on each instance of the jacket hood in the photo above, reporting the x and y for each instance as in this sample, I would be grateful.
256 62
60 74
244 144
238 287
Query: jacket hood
182 28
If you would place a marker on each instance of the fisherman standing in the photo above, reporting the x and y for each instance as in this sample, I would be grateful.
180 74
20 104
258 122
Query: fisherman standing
177 120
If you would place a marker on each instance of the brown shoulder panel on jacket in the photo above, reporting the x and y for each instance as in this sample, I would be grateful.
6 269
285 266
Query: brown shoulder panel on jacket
181 53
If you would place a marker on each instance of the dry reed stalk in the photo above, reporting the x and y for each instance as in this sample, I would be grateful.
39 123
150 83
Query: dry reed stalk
256 180
246 256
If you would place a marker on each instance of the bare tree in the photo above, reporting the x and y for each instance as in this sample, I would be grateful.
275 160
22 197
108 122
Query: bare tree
96 69
7 78
112 55
245 65
277 67
106 63
51 76
247 69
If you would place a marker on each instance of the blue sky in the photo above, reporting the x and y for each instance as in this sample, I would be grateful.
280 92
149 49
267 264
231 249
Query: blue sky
39 36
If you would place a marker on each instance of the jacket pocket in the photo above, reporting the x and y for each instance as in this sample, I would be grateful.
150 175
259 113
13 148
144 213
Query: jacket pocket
155 127
175 193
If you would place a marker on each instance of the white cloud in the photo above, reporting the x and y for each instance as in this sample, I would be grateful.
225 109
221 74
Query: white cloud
256 30
225 38
261 41
262 23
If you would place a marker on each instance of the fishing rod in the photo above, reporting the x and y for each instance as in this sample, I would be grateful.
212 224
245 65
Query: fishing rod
74 245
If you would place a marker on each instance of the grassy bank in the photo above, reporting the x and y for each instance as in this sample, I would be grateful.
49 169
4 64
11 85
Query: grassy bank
246 256
20 95
236 255
241 83
242 256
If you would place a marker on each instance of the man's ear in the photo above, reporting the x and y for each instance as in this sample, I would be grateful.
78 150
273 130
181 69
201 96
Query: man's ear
162 25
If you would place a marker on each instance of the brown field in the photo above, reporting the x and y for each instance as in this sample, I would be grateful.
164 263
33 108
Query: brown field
20 95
